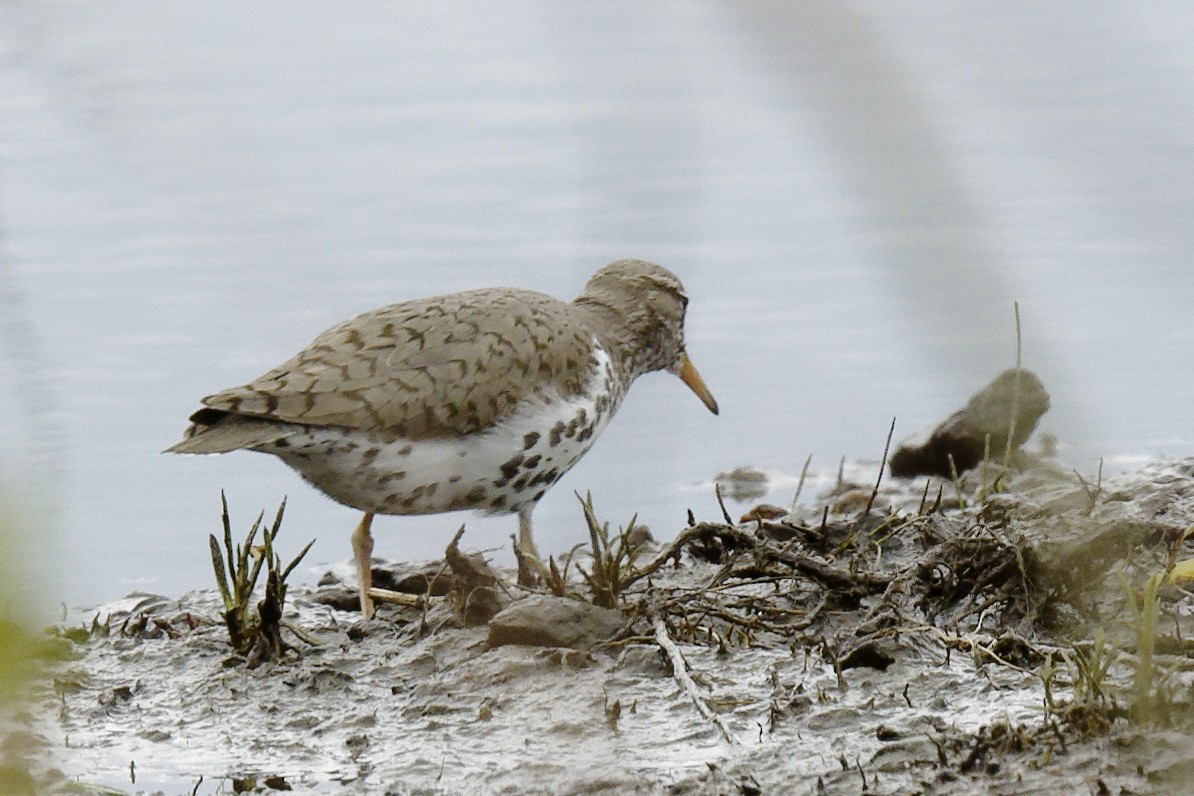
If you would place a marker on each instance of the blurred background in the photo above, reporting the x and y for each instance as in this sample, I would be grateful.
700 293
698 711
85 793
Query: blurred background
854 194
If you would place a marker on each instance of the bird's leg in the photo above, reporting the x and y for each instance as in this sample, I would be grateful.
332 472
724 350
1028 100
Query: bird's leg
531 571
362 549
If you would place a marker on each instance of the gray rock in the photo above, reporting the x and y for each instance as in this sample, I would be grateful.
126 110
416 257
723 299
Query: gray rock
1014 400
543 620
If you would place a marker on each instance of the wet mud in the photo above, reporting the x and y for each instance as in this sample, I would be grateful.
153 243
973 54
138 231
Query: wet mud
984 635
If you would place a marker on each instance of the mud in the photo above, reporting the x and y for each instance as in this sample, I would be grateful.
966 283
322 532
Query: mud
924 639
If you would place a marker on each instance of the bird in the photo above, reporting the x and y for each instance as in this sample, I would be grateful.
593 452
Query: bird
477 400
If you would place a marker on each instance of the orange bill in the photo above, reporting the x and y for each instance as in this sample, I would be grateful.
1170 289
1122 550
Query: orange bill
688 374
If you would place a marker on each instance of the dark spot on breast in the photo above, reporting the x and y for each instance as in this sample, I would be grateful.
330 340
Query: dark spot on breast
532 463
454 479
370 455
547 477
539 494
510 468
529 440
520 484
282 444
405 450
498 502
585 434
557 432
395 476
475 496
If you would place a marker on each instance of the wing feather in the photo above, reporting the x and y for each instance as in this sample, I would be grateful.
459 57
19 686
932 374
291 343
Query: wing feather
430 368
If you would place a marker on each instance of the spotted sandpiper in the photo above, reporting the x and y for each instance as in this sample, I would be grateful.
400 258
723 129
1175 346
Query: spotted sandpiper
476 400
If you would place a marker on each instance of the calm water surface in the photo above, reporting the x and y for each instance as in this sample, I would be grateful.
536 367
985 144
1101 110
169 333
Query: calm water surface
854 197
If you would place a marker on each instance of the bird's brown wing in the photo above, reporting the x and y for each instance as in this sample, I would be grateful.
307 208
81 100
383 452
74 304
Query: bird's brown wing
423 369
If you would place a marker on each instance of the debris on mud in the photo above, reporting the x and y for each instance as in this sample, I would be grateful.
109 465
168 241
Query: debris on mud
997 420
931 643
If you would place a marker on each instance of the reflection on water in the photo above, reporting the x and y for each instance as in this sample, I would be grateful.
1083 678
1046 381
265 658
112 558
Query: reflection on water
853 196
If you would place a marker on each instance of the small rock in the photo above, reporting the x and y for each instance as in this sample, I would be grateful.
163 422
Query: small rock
337 594
870 655
963 436
743 483
477 592
429 577
639 538
543 620
764 511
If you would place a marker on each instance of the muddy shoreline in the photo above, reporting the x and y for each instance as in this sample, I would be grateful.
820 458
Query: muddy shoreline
940 642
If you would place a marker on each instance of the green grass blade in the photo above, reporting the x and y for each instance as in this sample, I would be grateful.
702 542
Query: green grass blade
297 559
217 563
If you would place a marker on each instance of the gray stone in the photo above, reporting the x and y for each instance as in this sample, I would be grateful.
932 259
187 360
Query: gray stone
543 620
1014 400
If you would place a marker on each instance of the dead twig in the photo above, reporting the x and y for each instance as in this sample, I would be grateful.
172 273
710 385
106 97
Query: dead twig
831 576
875 492
672 551
722 503
680 673
401 598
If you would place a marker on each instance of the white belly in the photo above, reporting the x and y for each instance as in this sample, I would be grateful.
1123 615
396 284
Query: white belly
502 469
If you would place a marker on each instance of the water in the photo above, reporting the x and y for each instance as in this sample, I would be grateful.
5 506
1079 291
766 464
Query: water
854 197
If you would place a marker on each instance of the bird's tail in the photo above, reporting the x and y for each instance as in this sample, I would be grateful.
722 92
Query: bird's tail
229 432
